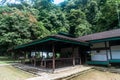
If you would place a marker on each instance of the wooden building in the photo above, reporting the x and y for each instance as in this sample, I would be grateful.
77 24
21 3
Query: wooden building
57 51
64 50
104 48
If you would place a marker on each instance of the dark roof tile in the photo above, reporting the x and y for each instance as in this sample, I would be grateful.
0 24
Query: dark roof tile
101 35
67 38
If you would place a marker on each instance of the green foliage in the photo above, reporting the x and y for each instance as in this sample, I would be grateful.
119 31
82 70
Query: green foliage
44 4
83 29
18 27
78 24
54 20
93 14
33 19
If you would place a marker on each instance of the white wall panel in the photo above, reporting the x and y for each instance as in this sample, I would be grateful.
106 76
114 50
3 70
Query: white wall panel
115 50
101 56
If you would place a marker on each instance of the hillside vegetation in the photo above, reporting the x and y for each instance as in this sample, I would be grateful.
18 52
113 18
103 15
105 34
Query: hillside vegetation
34 19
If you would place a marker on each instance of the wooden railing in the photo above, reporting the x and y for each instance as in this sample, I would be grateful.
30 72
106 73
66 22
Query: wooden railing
59 62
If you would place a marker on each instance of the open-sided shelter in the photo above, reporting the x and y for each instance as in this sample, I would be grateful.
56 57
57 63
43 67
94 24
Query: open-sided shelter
57 51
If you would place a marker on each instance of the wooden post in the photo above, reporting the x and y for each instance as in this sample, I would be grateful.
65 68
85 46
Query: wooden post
42 60
53 50
79 55
80 60
85 57
106 50
24 57
110 51
35 58
29 57
73 56
90 54
34 61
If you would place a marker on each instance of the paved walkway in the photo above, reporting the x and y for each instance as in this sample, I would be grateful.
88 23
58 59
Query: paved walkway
61 73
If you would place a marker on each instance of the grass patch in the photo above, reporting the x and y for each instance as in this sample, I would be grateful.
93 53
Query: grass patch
11 73
1 62
7 60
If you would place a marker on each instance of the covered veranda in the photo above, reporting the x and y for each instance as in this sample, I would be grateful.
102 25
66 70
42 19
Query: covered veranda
55 51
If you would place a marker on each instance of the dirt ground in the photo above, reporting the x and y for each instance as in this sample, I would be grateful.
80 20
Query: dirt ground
97 75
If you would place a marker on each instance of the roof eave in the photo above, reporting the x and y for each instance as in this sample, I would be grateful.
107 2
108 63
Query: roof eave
51 39
103 40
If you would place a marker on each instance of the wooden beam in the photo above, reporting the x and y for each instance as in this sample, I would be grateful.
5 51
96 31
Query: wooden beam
101 48
53 50
24 53
110 51
73 56
42 60
35 57
106 50
85 57
80 60
34 61
79 55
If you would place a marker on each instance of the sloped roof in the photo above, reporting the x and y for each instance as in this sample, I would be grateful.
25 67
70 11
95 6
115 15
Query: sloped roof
59 38
67 38
80 40
101 35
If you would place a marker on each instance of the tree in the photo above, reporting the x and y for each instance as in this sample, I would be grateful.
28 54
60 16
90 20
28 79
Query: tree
18 27
93 14
109 18
33 19
44 4
77 21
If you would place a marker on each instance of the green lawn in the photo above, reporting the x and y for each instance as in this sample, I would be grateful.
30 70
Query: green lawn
1 62
7 60
11 73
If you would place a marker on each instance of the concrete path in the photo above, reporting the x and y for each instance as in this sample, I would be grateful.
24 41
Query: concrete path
64 72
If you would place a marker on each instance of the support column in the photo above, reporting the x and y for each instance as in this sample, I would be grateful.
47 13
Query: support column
80 60
110 51
42 59
106 50
29 57
25 52
79 55
23 58
34 59
34 62
53 50
73 56
90 54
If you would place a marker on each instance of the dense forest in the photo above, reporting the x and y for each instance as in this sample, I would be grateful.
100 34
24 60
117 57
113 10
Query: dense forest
27 20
